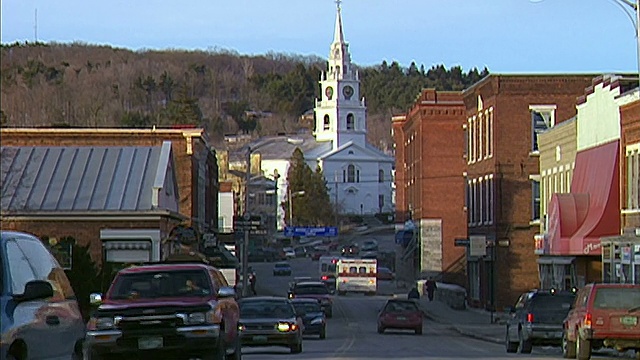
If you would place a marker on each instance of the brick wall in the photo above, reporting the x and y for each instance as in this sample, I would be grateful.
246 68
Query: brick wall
630 134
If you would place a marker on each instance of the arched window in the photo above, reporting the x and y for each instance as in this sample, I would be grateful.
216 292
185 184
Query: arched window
380 175
351 173
351 122
327 122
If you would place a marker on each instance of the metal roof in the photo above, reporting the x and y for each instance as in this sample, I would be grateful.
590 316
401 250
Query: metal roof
82 178
282 147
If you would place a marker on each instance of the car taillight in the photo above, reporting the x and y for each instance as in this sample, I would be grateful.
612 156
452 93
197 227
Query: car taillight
325 277
529 317
587 320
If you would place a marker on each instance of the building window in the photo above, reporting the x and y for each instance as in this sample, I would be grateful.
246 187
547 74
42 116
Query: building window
327 122
489 132
465 129
469 134
351 123
490 199
380 175
468 201
351 174
481 200
380 202
357 175
542 118
535 200
474 280
633 178
481 154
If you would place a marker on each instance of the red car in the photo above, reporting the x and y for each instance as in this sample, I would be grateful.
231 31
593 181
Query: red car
400 314
604 315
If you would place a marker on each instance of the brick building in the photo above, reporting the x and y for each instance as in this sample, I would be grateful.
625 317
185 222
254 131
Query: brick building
504 114
190 161
430 183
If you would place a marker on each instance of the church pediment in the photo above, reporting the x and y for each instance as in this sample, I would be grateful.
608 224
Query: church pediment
353 151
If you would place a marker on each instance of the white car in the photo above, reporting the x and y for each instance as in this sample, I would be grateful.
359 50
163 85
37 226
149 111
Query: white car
289 253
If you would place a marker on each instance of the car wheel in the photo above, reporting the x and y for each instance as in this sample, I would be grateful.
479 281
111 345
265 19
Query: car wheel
380 329
568 347
237 351
583 348
511 346
93 355
323 333
524 346
418 330
297 348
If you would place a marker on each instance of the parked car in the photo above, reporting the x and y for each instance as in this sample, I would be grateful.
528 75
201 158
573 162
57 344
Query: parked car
384 273
603 315
349 250
315 290
270 321
282 268
400 314
369 245
40 318
160 310
313 317
289 253
536 319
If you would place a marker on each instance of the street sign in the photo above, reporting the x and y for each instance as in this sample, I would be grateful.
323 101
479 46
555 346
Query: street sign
322 231
461 242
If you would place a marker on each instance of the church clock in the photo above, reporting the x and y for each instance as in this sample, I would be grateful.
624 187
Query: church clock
347 91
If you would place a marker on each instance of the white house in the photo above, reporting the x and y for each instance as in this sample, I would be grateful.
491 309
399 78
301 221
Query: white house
359 176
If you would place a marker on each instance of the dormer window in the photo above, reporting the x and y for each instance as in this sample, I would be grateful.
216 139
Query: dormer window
327 122
351 122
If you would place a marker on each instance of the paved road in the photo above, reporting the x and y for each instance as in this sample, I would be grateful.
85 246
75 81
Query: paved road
351 333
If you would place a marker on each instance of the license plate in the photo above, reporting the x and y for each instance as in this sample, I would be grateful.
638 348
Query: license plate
401 318
629 320
260 339
147 343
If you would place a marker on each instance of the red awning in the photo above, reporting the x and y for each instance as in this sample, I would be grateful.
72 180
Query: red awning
592 210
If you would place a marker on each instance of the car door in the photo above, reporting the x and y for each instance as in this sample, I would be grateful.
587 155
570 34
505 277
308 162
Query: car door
516 316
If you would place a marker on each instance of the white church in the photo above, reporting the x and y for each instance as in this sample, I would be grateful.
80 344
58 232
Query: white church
359 176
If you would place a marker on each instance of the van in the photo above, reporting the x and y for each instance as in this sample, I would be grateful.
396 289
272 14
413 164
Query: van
40 317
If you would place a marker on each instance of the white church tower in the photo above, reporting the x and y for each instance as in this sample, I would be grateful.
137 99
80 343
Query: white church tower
340 113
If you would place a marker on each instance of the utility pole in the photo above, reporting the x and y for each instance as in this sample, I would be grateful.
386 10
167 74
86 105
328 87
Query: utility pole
247 217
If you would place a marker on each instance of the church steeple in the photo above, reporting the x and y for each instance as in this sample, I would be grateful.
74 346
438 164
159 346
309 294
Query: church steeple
340 113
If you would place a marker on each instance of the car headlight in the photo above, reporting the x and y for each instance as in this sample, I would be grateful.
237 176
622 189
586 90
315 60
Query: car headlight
317 321
209 317
105 323
286 327
197 318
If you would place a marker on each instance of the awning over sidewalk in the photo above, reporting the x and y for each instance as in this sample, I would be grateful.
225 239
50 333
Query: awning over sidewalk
577 220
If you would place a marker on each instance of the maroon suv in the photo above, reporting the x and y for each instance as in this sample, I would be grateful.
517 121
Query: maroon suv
186 310
603 315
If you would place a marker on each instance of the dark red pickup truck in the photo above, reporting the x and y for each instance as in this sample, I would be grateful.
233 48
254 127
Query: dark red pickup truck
186 310
603 315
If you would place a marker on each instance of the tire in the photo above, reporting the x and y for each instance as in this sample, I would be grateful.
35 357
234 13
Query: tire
524 346
93 355
568 347
237 352
583 348
510 346
297 348
418 330
323 333
380 329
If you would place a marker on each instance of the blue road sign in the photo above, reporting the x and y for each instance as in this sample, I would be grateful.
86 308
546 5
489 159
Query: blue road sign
322 231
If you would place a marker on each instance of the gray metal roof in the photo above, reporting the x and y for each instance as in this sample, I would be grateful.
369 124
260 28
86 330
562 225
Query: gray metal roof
82 178
282 147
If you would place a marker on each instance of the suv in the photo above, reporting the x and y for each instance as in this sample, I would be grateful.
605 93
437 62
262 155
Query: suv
40 317
603 315
536 319
314 290
177 308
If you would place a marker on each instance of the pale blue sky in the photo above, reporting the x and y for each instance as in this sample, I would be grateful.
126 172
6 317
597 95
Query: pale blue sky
507 36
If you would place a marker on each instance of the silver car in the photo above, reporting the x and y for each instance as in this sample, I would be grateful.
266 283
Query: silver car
40 318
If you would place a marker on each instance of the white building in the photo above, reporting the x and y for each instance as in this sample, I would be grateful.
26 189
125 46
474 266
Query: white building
359 176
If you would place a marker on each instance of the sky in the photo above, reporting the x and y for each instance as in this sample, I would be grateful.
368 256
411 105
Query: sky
506 36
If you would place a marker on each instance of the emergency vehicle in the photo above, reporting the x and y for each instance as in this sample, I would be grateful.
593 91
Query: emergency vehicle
351 275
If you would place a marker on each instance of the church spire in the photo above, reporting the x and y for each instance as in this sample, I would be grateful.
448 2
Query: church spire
338 36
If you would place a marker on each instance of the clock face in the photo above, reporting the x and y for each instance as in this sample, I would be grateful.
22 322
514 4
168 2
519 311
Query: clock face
347 91
329 92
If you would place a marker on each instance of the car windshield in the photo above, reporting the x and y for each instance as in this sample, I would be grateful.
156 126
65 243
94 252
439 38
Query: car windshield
311 290
150 285
266 309
400 306
617 298
307 307
552 302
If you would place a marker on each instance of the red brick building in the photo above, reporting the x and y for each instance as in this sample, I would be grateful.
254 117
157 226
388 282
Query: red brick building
430 182
629 155
504 114
192 164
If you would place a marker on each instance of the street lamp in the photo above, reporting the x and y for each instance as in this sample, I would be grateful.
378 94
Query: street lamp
291 195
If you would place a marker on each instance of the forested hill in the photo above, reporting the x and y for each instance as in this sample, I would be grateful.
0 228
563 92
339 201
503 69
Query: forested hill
80 85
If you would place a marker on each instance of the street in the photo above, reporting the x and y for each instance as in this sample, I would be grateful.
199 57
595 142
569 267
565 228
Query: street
351 333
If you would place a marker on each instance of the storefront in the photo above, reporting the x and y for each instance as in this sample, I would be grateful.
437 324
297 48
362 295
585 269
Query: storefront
621 260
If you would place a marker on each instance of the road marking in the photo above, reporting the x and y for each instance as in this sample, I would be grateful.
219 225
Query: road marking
348 342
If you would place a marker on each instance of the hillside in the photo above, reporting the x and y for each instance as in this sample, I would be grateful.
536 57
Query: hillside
81 85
